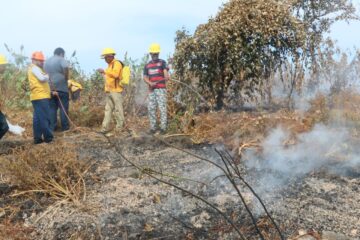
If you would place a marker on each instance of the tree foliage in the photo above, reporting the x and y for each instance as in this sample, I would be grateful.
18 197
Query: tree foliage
250 39
14 88
317 17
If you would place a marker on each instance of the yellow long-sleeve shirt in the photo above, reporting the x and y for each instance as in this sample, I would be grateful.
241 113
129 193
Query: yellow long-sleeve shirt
74 86
39 88
113 77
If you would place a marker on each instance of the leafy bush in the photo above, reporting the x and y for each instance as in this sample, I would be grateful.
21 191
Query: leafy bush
14 87
249 40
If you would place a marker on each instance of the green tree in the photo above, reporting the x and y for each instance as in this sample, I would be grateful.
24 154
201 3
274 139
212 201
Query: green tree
244 42
14 86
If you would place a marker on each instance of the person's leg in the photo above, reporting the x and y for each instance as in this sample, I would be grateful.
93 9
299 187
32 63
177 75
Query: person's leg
45 121
4 127
108 112
152 104
53 112
64 97
37 133
75 96
161 97
119 112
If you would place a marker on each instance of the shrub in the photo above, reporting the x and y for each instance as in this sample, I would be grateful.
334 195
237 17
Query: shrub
55 170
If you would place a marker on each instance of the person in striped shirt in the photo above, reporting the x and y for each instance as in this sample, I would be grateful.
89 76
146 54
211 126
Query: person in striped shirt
156 73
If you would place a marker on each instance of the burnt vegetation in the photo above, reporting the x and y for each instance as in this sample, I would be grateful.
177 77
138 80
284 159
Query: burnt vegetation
253 90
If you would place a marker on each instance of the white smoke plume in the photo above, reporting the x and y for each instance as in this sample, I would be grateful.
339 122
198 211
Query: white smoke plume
324 147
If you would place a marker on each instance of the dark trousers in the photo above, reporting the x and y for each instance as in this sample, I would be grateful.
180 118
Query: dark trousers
41 121
54 106
3 125
75 95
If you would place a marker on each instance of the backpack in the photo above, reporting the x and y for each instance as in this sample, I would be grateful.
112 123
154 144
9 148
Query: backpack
126 74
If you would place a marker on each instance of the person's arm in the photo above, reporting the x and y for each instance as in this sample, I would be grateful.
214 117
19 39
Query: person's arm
115 71
65 67
66 73
42 77
146 78
166 71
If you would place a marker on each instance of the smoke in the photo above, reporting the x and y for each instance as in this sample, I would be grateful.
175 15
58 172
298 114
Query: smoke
281 161
15 129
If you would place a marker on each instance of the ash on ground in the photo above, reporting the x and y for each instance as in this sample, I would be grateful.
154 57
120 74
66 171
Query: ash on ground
125 203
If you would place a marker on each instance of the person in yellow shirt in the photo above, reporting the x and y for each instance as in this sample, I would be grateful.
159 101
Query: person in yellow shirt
3 63
40 99
113 89
74 89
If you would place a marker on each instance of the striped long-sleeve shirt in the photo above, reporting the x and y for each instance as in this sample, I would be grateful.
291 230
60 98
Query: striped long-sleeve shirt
155 71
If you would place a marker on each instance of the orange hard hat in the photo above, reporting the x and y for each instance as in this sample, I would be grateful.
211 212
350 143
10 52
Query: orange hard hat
38 56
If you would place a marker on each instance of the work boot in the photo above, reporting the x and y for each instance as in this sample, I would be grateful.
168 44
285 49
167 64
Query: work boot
38 141
49 140
151 131
103 131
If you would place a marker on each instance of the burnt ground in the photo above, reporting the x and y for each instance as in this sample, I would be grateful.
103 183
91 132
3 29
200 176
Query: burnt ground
325 202
124 203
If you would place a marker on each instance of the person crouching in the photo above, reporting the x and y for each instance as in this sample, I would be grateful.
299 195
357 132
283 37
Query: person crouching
40 99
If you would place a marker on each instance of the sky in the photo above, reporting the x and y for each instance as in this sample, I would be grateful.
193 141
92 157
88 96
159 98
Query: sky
88 26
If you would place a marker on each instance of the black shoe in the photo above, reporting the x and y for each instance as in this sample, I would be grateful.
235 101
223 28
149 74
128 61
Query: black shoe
48 140
102 131
151 131
38 141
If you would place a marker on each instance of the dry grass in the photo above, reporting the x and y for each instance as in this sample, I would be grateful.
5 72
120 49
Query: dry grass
51 169
239 130
85 115
21 117
10 231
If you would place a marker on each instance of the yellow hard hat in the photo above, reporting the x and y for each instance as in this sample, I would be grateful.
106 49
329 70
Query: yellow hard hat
107 51
3 59
154 48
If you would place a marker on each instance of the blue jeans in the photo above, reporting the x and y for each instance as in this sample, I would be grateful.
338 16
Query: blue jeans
54 106
41 121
